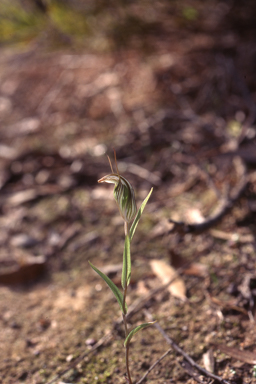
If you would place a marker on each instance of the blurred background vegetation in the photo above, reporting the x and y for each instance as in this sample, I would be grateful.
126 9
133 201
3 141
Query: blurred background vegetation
98 25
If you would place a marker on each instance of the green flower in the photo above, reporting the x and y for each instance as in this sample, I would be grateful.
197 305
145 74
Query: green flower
123 194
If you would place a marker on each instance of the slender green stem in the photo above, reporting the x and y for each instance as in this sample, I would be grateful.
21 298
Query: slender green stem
125 287
126 334
124 319
125 325
124 298
127 363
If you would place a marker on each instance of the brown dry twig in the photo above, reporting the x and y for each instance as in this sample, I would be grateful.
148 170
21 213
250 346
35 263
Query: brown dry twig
245 356
153 365
225 206
184 354
224 305
187 367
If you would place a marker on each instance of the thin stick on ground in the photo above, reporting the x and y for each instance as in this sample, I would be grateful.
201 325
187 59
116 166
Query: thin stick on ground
153 365
184 354
190 371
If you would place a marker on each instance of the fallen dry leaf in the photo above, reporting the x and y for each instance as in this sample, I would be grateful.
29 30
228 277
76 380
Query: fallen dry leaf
166 273
24 268
196 269
208 360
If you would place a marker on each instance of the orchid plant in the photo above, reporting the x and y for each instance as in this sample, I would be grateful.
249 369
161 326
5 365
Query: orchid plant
125 199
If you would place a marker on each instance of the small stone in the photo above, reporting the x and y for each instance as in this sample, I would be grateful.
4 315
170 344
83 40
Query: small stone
69 358
23 240
90 341
15 325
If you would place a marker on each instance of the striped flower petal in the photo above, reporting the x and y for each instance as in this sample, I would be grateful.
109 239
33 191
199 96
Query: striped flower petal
123 194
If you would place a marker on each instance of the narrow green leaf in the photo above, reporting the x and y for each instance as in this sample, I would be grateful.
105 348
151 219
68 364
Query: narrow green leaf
139 213
112 286
126 272
135 330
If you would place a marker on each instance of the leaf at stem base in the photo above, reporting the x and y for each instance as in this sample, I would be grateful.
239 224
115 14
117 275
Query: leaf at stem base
135 330
112 286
